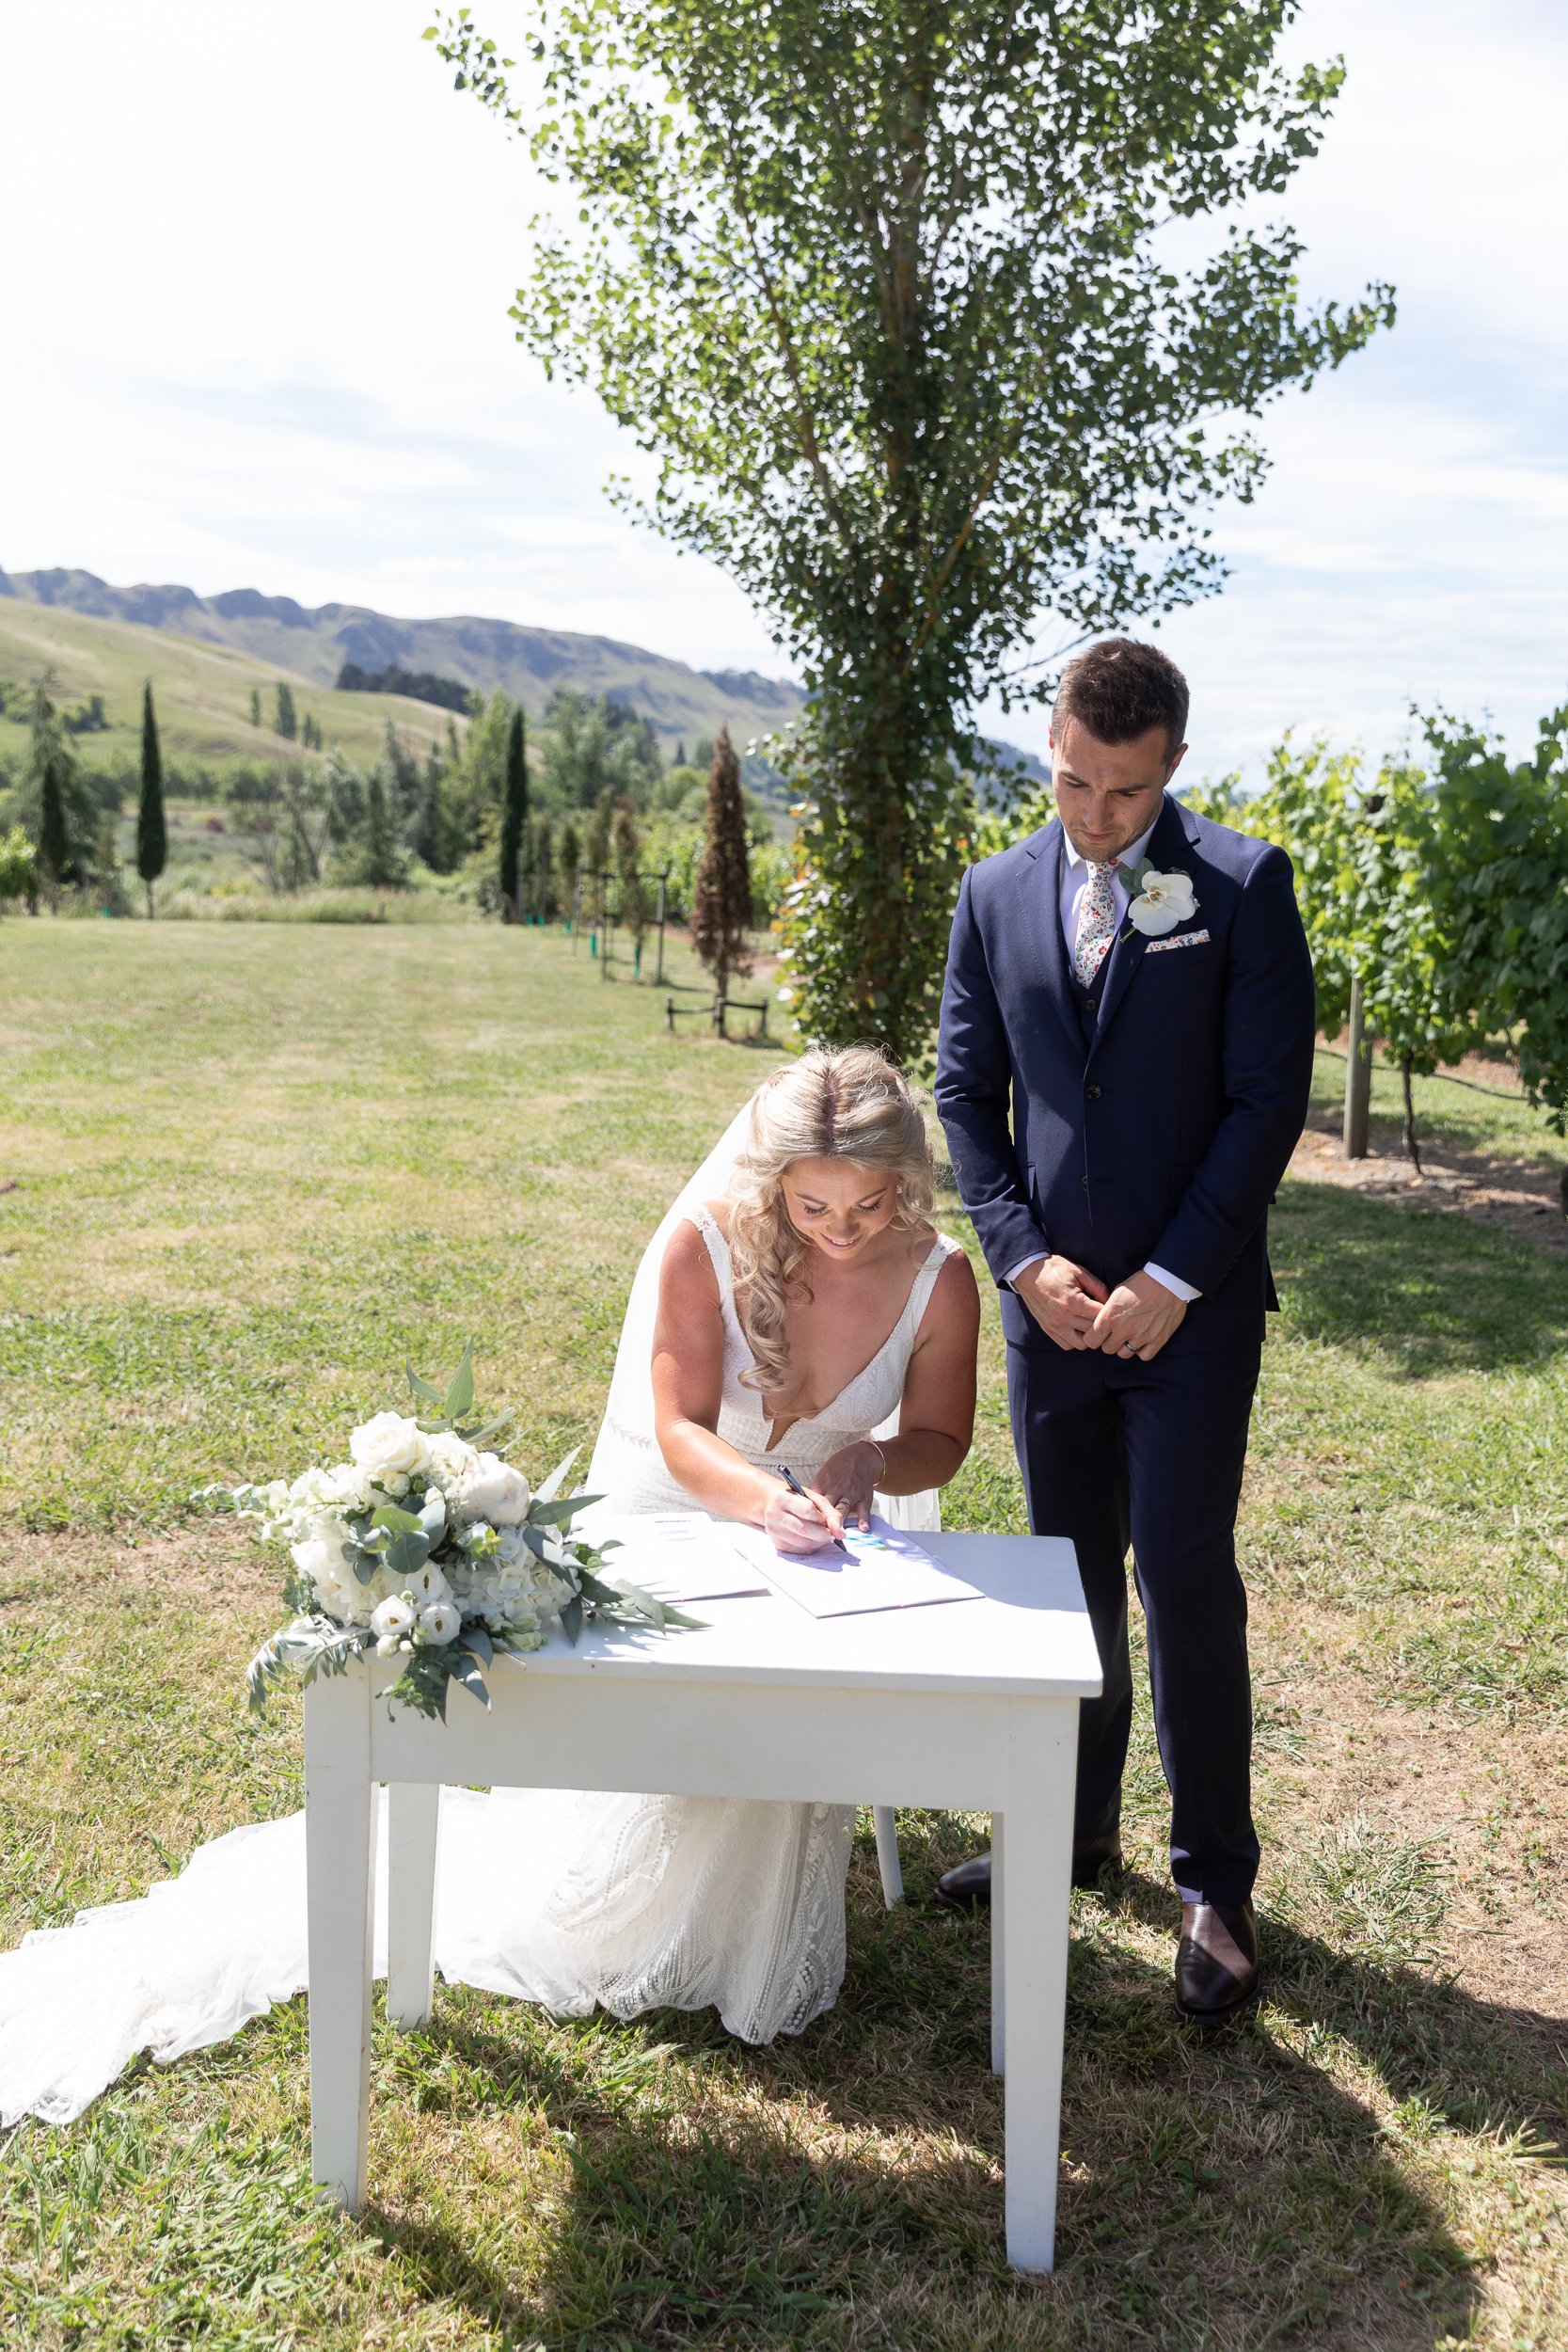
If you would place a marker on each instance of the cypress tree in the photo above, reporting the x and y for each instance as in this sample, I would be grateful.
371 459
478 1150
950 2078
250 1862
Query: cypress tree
54 848
628 858
286 723
382 865
152 830
721 897
514 813
255 705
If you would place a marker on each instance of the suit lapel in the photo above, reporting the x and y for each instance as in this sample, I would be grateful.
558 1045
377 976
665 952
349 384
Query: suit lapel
1167 846
1045 913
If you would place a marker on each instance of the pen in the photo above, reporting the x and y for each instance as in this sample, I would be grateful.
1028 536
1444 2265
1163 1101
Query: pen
796 1488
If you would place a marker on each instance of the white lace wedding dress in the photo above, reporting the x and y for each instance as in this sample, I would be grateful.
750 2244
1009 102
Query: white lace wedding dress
569 1898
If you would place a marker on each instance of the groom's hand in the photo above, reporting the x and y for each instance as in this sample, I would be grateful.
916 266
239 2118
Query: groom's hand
1063 1298
1137 1319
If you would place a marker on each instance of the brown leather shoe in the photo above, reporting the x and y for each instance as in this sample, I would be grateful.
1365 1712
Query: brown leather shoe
968 1886
1216 1961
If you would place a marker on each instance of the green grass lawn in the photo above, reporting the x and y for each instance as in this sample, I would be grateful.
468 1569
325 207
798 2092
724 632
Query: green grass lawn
254 1167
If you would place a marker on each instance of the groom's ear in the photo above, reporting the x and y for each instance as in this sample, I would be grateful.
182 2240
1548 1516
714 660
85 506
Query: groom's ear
1176 758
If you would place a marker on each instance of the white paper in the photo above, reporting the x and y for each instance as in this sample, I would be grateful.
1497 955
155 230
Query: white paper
677 1555
882 1569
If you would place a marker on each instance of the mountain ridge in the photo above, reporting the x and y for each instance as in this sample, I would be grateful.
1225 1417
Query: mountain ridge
528 663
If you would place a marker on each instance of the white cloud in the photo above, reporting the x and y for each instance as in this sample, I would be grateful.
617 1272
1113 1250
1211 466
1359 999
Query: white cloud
258 336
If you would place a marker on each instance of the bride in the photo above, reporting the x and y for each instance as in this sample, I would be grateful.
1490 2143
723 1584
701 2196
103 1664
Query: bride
795 1310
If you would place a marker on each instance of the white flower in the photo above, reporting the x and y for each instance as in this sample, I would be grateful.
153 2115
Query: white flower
451 1458
392 1616
489 1488
439 1623
1163 901
389 1447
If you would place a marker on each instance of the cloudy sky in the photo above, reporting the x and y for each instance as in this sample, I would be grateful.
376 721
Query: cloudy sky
253 311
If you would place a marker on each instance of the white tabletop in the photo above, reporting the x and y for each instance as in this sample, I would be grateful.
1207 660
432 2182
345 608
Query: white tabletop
1028 1636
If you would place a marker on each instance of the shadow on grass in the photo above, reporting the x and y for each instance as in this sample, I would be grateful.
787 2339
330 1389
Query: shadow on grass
1429 1293
845 2188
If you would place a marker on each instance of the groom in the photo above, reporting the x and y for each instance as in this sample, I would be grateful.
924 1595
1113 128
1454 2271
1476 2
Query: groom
1123 1069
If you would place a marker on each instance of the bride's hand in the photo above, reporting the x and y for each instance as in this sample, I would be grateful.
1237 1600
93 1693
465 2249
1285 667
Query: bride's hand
848 1479
801 1522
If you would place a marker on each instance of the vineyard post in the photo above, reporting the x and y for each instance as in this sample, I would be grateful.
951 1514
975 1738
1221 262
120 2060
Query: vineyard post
1359 1075
663 882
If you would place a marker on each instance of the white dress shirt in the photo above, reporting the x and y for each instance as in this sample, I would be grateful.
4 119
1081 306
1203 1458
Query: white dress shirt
1075 881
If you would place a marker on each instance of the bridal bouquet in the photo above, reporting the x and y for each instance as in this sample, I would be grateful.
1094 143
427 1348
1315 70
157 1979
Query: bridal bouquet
428 1546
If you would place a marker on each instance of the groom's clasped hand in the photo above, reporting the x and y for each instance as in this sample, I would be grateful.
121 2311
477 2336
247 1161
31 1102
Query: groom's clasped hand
1075 1309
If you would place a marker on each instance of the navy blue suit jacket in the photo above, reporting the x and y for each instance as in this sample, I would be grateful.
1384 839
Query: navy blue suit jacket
1166 1136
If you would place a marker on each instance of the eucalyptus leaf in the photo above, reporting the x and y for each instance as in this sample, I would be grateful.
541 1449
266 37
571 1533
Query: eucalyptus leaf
476 1639
552 1486
459 1398
398 1522
469 1671
422 1388
558 1513
408 1552
570 1620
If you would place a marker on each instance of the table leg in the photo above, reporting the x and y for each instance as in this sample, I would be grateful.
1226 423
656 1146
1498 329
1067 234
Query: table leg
339 1835
998 1945
1043 1753
413 1828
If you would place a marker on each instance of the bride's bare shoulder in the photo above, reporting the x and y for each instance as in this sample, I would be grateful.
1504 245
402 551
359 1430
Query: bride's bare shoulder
688 1264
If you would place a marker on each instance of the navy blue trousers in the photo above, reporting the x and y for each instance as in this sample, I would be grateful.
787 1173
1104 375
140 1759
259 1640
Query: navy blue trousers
1118 1452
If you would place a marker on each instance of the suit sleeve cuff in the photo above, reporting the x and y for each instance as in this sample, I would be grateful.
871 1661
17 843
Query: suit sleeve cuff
1183 1291
1023 1266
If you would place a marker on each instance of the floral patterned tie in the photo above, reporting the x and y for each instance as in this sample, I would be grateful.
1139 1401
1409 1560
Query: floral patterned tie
1097 922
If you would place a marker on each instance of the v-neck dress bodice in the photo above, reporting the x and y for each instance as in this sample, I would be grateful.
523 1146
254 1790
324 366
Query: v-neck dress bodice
865 1405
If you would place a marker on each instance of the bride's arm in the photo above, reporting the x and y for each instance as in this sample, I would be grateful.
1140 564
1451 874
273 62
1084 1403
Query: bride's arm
936 1414
688 1381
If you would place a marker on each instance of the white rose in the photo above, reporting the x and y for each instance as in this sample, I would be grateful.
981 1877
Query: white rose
391 1616
451 1458
491 1490
428 1586
1164 901
440 1623
389 1447
319 1556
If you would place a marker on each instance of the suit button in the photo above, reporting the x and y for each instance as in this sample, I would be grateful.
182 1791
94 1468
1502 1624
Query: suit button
1093 1093
1085 1182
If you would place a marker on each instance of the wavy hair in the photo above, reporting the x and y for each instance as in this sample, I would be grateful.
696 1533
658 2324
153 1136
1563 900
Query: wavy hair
846 1104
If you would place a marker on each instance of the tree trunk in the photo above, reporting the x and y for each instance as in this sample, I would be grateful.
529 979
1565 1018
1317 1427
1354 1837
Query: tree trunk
1412 1149
150 902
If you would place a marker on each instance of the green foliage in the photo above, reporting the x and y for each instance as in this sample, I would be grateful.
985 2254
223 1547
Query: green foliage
626 850
722 900
19 876
285 722
382 863
1500 893
594 746
151 829
513 811
880 289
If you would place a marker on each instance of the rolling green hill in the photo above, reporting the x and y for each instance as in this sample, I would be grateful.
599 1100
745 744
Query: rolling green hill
214 650
202 692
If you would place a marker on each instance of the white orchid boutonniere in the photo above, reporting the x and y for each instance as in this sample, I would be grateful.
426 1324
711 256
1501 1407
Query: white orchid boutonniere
1158 901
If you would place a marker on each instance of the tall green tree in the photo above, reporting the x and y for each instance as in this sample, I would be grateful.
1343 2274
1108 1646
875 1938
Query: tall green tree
151 827
285 719
632 904
382 863
880 283
514 813
722 894
255 705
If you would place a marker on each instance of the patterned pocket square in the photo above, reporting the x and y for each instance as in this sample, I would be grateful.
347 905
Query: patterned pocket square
1182 939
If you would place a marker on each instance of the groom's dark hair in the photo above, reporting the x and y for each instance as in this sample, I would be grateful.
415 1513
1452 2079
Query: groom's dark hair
1120 688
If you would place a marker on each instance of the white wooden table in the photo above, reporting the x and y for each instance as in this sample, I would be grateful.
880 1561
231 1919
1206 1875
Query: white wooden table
972 1703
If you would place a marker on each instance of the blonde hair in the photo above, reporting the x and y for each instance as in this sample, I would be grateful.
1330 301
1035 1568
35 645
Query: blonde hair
850 1105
